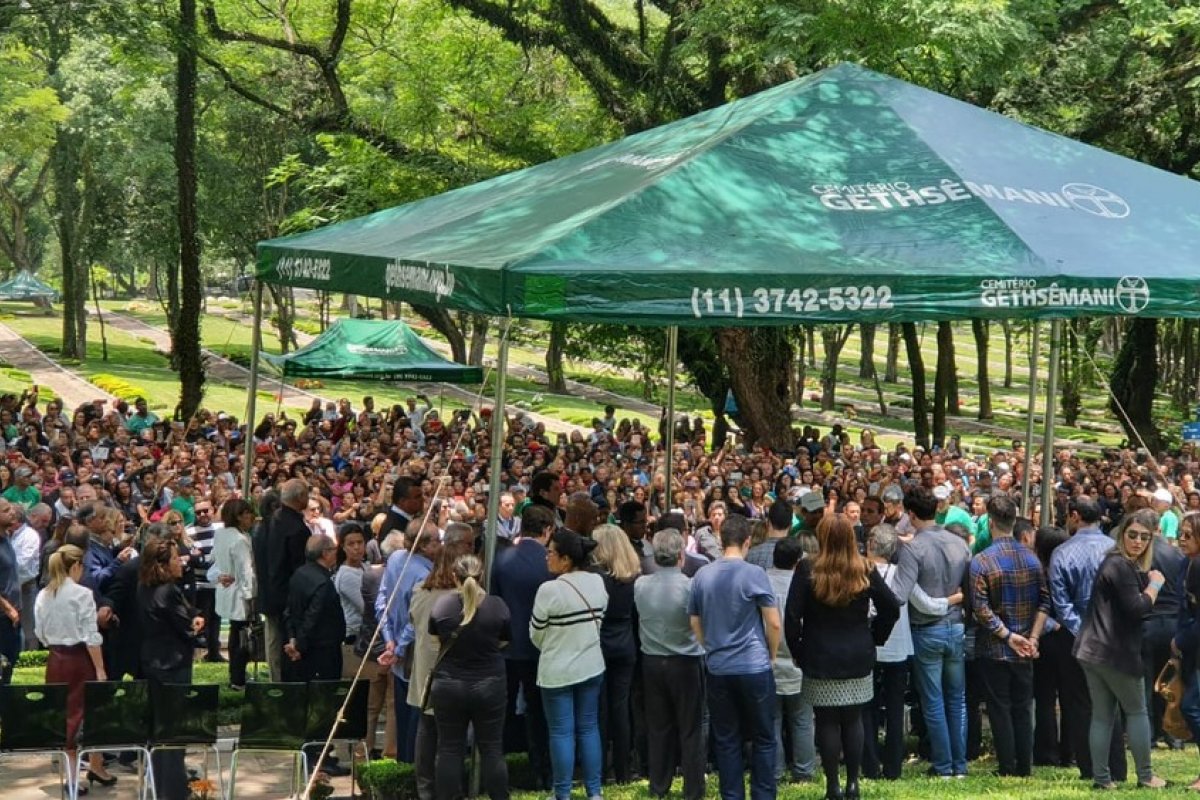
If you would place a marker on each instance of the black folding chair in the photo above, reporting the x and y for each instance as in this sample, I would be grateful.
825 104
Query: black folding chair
325 700
274 720
117 717
185 715
33 720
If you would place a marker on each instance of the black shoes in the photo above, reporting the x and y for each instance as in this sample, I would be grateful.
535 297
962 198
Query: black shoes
851 790
94 778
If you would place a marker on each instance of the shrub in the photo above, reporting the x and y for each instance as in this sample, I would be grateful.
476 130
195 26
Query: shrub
32 658
238 357
118 387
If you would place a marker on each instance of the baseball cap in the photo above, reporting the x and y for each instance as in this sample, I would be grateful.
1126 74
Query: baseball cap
813 501
892 494
941 492
1163 496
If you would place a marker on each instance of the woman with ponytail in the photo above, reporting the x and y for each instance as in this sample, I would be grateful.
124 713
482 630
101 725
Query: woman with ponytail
65 621
468 685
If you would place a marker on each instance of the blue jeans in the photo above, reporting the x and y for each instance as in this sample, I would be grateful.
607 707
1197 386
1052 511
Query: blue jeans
942 685
798 715
743 707
573 717
1189 706
407 718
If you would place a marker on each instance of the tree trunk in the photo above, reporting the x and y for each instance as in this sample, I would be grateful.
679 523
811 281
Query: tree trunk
866 358
941 381
442 322
979 327
284 300
1006 326
891 369
554 358
810 342
68 210
1134 379
759 364
953 401
833 339
1070 374
916 367
186 338
479 336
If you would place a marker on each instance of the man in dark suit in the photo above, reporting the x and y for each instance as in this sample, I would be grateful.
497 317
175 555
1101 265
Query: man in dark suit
285 554
313 619
407 505
315 625
519 571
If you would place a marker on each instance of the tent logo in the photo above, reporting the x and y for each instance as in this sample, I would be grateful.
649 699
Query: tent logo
1096 201
1133 295
365 350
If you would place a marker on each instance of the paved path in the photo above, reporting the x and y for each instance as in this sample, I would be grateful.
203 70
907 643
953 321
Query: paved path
71 387
234 373
261 776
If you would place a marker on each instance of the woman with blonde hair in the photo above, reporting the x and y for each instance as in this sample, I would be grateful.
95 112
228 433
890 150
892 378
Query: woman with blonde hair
65 621
619 566
1109 646
832 638
468 684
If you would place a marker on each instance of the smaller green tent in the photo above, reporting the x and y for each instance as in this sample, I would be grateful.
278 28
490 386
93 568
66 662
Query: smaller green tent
374 349
25 286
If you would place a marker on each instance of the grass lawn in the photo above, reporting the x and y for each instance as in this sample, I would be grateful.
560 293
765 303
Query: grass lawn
131 359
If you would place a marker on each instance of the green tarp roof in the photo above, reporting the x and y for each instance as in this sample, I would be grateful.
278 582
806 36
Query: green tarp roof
25 286
377 349
845 195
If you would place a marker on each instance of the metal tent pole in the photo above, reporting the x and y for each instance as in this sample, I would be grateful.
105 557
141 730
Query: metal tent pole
494 467
669 448
1047 516
252 398
1026 478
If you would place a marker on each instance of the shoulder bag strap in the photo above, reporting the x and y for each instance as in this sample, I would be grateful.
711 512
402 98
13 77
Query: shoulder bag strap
447 646
586 604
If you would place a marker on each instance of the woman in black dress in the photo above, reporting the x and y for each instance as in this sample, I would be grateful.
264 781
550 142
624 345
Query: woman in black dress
169 627
832 638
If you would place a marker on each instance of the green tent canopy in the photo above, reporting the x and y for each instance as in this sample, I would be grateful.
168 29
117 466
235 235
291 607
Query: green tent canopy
375 349
25 286
842 196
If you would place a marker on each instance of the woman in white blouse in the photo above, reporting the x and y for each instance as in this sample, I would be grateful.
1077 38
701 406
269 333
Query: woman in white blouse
233 563
65 621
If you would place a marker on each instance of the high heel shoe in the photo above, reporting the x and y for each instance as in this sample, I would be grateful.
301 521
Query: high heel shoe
81 789
94 778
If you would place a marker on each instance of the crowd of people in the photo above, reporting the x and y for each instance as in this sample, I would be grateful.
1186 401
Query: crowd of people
813 603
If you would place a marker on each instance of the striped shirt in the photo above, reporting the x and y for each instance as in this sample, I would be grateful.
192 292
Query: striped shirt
1008 590
565 627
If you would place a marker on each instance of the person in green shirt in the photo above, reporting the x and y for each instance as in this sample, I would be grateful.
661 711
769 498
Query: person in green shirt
185 500
982 529
141 418
950 513
1168 520
22 492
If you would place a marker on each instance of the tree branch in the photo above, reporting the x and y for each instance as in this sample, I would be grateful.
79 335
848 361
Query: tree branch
222 34
232 84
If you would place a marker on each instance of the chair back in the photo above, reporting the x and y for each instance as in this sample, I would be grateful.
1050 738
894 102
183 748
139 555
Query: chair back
325 699
115 713
273 716
33 717
184 714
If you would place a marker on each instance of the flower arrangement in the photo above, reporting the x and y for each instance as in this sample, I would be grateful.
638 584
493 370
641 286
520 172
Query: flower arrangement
202 789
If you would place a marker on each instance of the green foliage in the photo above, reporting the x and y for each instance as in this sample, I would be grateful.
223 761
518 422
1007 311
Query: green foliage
118 387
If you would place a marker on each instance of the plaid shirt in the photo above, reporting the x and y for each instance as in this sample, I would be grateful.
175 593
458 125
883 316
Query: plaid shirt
1008 590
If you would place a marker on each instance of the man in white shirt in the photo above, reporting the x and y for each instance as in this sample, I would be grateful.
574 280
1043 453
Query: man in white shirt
27 543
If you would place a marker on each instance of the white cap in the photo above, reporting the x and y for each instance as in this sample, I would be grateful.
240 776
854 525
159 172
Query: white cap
941 492
1163 496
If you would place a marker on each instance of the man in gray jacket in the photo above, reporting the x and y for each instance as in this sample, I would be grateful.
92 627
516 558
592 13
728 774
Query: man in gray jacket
937 561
